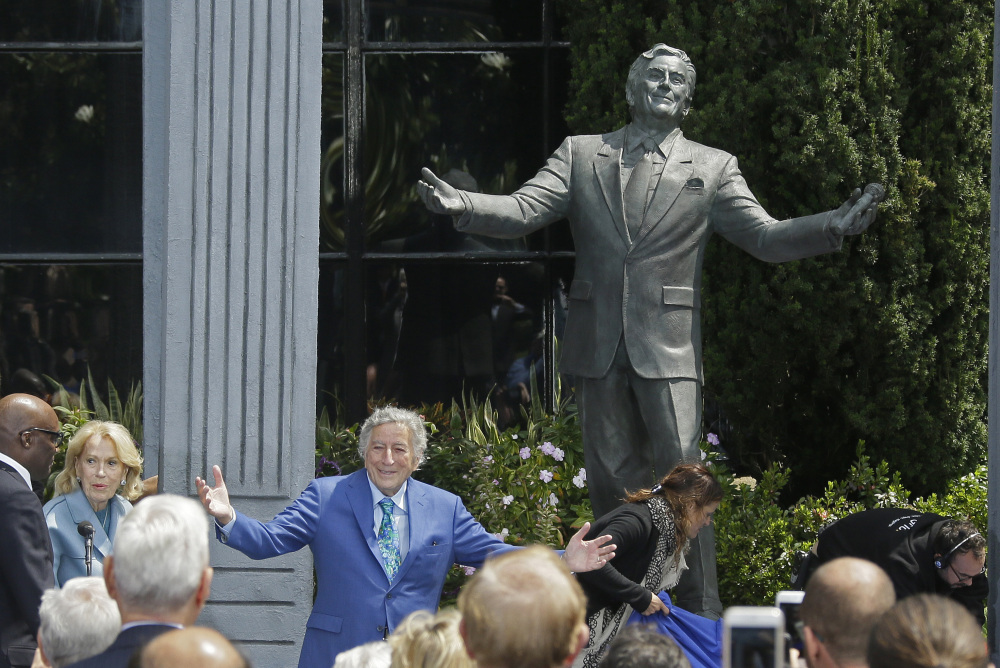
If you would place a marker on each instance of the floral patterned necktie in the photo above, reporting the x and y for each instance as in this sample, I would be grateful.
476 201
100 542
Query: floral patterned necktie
388 539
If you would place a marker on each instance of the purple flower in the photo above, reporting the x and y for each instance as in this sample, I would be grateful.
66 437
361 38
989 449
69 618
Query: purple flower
487 459
558 455
712 438
525 452
547 448
545 475
468 570
496 482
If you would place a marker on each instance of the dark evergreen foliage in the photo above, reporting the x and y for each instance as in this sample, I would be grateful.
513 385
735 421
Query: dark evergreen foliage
886 340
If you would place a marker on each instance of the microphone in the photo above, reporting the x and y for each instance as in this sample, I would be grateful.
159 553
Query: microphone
86 529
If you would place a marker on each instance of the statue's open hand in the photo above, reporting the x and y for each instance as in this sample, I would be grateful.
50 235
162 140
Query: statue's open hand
858 212
438 196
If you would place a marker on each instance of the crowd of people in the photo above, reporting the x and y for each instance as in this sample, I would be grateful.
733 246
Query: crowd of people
886 587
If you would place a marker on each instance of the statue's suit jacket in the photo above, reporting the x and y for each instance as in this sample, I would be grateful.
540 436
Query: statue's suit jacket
355 602
647 289
25 567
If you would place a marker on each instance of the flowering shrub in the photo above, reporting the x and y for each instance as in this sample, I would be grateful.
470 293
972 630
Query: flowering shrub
529 485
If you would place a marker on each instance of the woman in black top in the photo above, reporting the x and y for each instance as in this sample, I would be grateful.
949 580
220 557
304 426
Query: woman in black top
652 530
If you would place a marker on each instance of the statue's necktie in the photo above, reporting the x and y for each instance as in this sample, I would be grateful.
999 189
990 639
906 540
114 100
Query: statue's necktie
388 539
637 190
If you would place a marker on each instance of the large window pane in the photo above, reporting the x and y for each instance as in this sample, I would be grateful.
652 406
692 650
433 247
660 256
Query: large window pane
481 114
333 21
62 21
70 153
65 321
454 20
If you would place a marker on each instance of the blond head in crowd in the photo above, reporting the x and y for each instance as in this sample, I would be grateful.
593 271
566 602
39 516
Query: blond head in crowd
426 640
928 631
523 609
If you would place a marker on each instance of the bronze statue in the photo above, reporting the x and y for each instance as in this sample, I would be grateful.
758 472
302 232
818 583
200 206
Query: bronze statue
642 202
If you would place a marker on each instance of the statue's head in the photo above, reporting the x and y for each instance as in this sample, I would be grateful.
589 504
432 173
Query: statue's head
666 67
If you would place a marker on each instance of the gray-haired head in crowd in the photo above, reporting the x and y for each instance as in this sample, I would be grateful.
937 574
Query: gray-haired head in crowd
160 561
640 647
78 621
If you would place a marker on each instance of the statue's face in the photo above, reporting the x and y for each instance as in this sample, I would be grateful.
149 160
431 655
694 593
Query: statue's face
662 94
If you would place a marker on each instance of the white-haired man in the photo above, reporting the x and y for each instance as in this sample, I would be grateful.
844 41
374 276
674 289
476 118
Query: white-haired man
159 574
382 542
78 621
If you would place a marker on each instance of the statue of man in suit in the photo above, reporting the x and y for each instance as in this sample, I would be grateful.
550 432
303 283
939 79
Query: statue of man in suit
642 202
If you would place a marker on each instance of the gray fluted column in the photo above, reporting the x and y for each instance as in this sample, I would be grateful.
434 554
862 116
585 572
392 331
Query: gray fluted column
231 118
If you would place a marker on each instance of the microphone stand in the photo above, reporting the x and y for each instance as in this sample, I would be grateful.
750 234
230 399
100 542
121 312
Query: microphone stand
86 529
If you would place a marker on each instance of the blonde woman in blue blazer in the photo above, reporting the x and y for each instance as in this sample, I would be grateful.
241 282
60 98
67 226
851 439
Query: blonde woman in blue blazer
102 475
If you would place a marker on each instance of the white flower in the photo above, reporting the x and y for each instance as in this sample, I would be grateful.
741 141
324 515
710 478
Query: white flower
579 482
553 501
85 113
495 60
507 500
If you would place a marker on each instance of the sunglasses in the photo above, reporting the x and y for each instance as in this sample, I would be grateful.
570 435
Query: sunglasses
56 436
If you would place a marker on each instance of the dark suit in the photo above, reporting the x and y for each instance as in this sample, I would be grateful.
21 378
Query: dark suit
124 646
25 567
633 335
355 602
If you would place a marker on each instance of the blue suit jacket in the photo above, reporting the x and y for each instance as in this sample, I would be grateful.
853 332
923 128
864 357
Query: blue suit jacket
62 515
355 602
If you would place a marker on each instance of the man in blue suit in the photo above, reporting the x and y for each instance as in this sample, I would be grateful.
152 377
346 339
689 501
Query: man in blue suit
382 542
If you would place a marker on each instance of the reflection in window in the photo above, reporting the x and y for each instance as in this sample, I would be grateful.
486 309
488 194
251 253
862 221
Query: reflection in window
454 20
330 351
479 113
63 322
70 153
80 21
436 332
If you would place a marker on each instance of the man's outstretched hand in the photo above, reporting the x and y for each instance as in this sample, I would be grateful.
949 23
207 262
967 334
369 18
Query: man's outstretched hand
588 555
216 499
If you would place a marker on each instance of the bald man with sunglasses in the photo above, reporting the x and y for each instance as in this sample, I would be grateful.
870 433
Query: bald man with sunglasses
29 436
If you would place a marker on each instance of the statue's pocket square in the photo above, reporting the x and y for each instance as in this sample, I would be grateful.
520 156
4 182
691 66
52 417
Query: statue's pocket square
694 183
